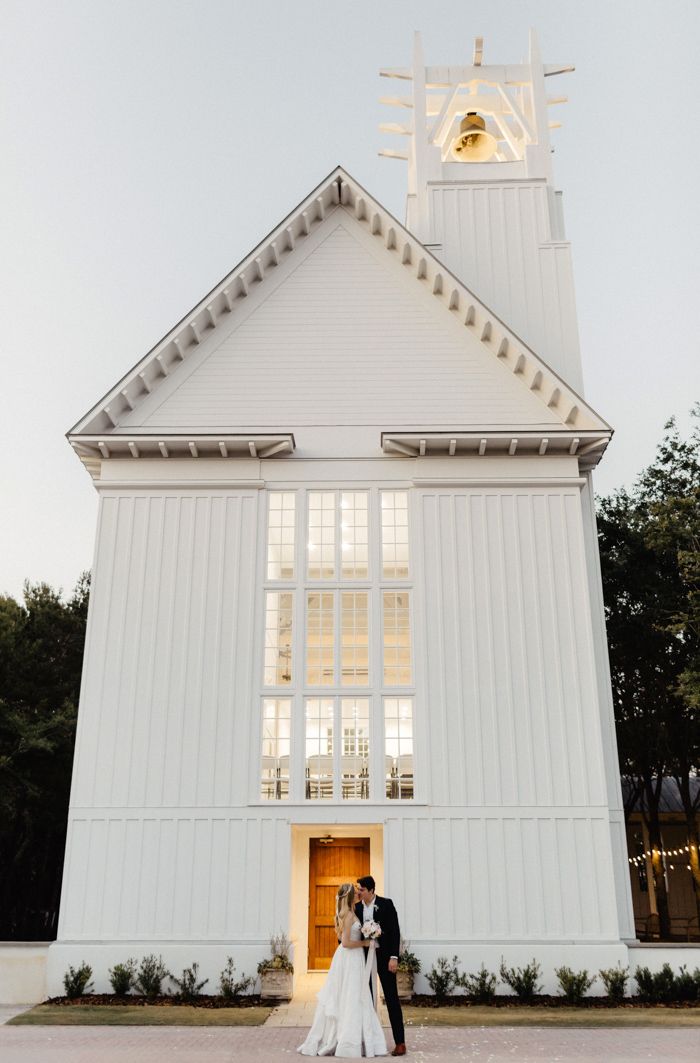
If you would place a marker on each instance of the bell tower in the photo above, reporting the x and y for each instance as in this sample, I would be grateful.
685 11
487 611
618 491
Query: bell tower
481 194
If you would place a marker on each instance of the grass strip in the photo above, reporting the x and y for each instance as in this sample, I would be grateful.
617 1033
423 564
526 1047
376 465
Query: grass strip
533 1016
56 1015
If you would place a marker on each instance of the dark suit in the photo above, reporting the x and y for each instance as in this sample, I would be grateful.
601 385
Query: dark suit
388 945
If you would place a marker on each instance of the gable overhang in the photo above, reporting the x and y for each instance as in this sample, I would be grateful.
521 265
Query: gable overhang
588 447
339 191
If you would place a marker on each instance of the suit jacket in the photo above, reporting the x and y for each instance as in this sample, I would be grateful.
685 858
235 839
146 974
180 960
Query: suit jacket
389 943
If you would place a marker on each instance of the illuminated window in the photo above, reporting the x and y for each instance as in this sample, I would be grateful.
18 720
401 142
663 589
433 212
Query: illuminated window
354 638
319 748
281 513
278 638
321 544
397 639
354 760
276 730
354 527
394 534
398 747
320 638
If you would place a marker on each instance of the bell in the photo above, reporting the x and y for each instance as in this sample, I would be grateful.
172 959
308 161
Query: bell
473 143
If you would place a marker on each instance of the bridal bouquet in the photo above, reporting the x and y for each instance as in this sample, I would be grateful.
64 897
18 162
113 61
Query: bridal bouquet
371 930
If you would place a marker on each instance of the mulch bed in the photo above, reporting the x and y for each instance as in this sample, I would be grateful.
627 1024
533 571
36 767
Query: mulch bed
544 1001
164 1000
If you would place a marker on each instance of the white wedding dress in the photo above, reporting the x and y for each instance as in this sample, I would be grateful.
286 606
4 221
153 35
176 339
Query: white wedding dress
346 1024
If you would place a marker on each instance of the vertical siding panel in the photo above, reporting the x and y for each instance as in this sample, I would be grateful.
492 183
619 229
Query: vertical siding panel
534 653
223 762
453 693
149 900
97 641
471 739
129 873
441 857
435 661
407 831
177 707
235 898
201 860
112 665
90 925
164 921
479 877
502 660
485 649
551 896
583 842
533 893
567 874
193 649
159 765
497 877
217 880
458 863
141 764
521 702
134 576
427 873
183 877
566 652
211 655
547 607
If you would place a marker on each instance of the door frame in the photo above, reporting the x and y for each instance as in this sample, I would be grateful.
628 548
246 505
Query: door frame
301 834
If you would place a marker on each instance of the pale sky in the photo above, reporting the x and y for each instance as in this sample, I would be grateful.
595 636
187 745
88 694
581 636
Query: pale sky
147 146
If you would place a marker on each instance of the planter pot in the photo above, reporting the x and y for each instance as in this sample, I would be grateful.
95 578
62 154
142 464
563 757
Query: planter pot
276 985
404 984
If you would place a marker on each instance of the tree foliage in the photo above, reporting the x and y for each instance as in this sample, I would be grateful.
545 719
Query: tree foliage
650 558
41 651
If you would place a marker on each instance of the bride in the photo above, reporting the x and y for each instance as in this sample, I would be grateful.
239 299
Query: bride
346 1023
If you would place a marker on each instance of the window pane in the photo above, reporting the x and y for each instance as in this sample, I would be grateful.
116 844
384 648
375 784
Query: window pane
320 640
319 748
397 639
278 639
354 638
321 545
354 753
274 773
398 747
394 534
281 514
354 535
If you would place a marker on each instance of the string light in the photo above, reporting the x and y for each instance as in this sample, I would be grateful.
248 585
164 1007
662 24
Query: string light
640 861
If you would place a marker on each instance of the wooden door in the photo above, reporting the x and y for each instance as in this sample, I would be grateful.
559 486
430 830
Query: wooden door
330 864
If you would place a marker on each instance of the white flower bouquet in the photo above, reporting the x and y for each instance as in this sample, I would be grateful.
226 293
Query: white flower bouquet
371 930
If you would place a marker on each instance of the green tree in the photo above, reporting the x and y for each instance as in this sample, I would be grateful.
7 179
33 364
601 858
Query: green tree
41 648
649 558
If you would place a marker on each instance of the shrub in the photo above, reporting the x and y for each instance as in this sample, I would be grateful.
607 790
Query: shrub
229 988
574 984
445 977
122 977
522 980
481 987
687 985
75 982
279 959
615 981
408 961
188 986
150 977
657 988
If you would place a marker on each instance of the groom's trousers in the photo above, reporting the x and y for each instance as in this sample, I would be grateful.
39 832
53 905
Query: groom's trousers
391 996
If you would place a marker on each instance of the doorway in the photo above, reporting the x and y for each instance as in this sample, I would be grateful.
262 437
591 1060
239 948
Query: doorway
332 861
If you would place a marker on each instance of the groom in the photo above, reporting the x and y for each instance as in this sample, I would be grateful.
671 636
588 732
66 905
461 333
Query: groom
382 911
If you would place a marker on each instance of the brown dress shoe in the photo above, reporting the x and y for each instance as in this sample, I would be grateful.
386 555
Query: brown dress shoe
399 1050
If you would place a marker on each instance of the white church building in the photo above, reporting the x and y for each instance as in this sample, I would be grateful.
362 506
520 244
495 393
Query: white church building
346 609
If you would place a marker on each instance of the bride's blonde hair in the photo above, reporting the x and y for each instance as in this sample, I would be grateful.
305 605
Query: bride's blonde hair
344 901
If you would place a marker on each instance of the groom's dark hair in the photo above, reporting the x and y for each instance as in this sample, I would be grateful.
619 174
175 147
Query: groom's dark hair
367 883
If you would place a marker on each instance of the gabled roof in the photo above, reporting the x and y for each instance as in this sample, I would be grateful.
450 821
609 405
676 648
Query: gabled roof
95 434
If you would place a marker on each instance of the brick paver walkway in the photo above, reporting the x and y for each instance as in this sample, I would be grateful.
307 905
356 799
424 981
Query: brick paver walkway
269 1044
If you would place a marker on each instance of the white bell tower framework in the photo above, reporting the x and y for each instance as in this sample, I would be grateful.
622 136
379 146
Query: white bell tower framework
497 224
